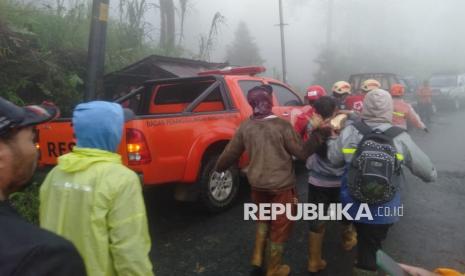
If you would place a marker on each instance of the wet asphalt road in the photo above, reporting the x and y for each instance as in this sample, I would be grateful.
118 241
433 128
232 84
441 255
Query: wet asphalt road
188 241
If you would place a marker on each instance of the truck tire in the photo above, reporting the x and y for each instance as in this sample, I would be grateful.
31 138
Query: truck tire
218 194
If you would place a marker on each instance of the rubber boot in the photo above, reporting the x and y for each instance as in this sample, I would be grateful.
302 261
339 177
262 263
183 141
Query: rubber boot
274 257
362 272
261 234
315 243
349 237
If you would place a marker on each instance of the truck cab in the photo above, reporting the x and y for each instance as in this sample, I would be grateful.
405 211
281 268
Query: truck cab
385 79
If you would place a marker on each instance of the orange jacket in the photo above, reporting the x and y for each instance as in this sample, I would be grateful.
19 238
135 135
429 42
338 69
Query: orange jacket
404 112
425 95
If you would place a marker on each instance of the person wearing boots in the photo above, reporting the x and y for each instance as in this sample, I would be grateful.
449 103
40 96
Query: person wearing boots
324 181
270 143
377 118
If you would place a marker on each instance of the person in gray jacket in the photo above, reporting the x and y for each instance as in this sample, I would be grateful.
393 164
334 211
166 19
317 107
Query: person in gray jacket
377 114
324 182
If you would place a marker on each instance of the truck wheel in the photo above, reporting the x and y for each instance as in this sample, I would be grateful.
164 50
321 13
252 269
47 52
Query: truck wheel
216 193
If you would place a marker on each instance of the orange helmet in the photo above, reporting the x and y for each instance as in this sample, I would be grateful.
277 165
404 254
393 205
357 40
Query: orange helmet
397 90
370 84
342 87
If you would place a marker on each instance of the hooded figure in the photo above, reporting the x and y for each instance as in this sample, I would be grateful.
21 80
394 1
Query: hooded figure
104 135
93 200
378 107
377 114
261 100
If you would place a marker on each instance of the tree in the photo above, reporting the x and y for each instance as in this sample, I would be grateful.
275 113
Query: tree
183 8
243 51
167 25
207 41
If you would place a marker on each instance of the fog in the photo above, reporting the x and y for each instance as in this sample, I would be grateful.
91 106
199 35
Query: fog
407 37
304 35
410 37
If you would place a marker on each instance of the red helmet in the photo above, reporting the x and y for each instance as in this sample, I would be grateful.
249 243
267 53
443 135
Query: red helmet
397 90
315 92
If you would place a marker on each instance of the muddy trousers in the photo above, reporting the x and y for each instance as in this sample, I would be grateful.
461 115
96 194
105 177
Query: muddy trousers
323 197
279 229
272 234
370 238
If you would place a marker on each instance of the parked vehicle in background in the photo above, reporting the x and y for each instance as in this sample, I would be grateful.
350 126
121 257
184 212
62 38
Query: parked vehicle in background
411 84
181 128
448 91
385 79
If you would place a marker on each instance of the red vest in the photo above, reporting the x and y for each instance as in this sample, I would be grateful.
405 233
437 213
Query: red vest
355 102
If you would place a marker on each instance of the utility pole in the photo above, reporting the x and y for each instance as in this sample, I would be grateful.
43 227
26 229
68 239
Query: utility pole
283 45
329 27
96 50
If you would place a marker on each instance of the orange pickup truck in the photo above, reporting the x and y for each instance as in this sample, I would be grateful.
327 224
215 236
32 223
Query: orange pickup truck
181 127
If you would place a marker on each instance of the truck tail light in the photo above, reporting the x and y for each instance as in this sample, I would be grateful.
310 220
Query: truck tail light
137 148
37 143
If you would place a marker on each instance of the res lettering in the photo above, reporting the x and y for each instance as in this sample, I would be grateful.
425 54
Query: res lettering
60 148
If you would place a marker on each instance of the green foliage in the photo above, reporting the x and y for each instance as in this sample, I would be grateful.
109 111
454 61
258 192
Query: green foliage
43 50
27 202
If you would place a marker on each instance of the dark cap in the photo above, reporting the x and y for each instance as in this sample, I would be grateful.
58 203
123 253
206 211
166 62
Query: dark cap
13 116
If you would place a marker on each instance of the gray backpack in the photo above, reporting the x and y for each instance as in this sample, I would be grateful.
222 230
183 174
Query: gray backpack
373 165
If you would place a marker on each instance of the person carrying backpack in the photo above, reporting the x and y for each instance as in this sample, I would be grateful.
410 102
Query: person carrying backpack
375 153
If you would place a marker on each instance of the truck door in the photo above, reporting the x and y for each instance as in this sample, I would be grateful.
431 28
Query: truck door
289 105
179 114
